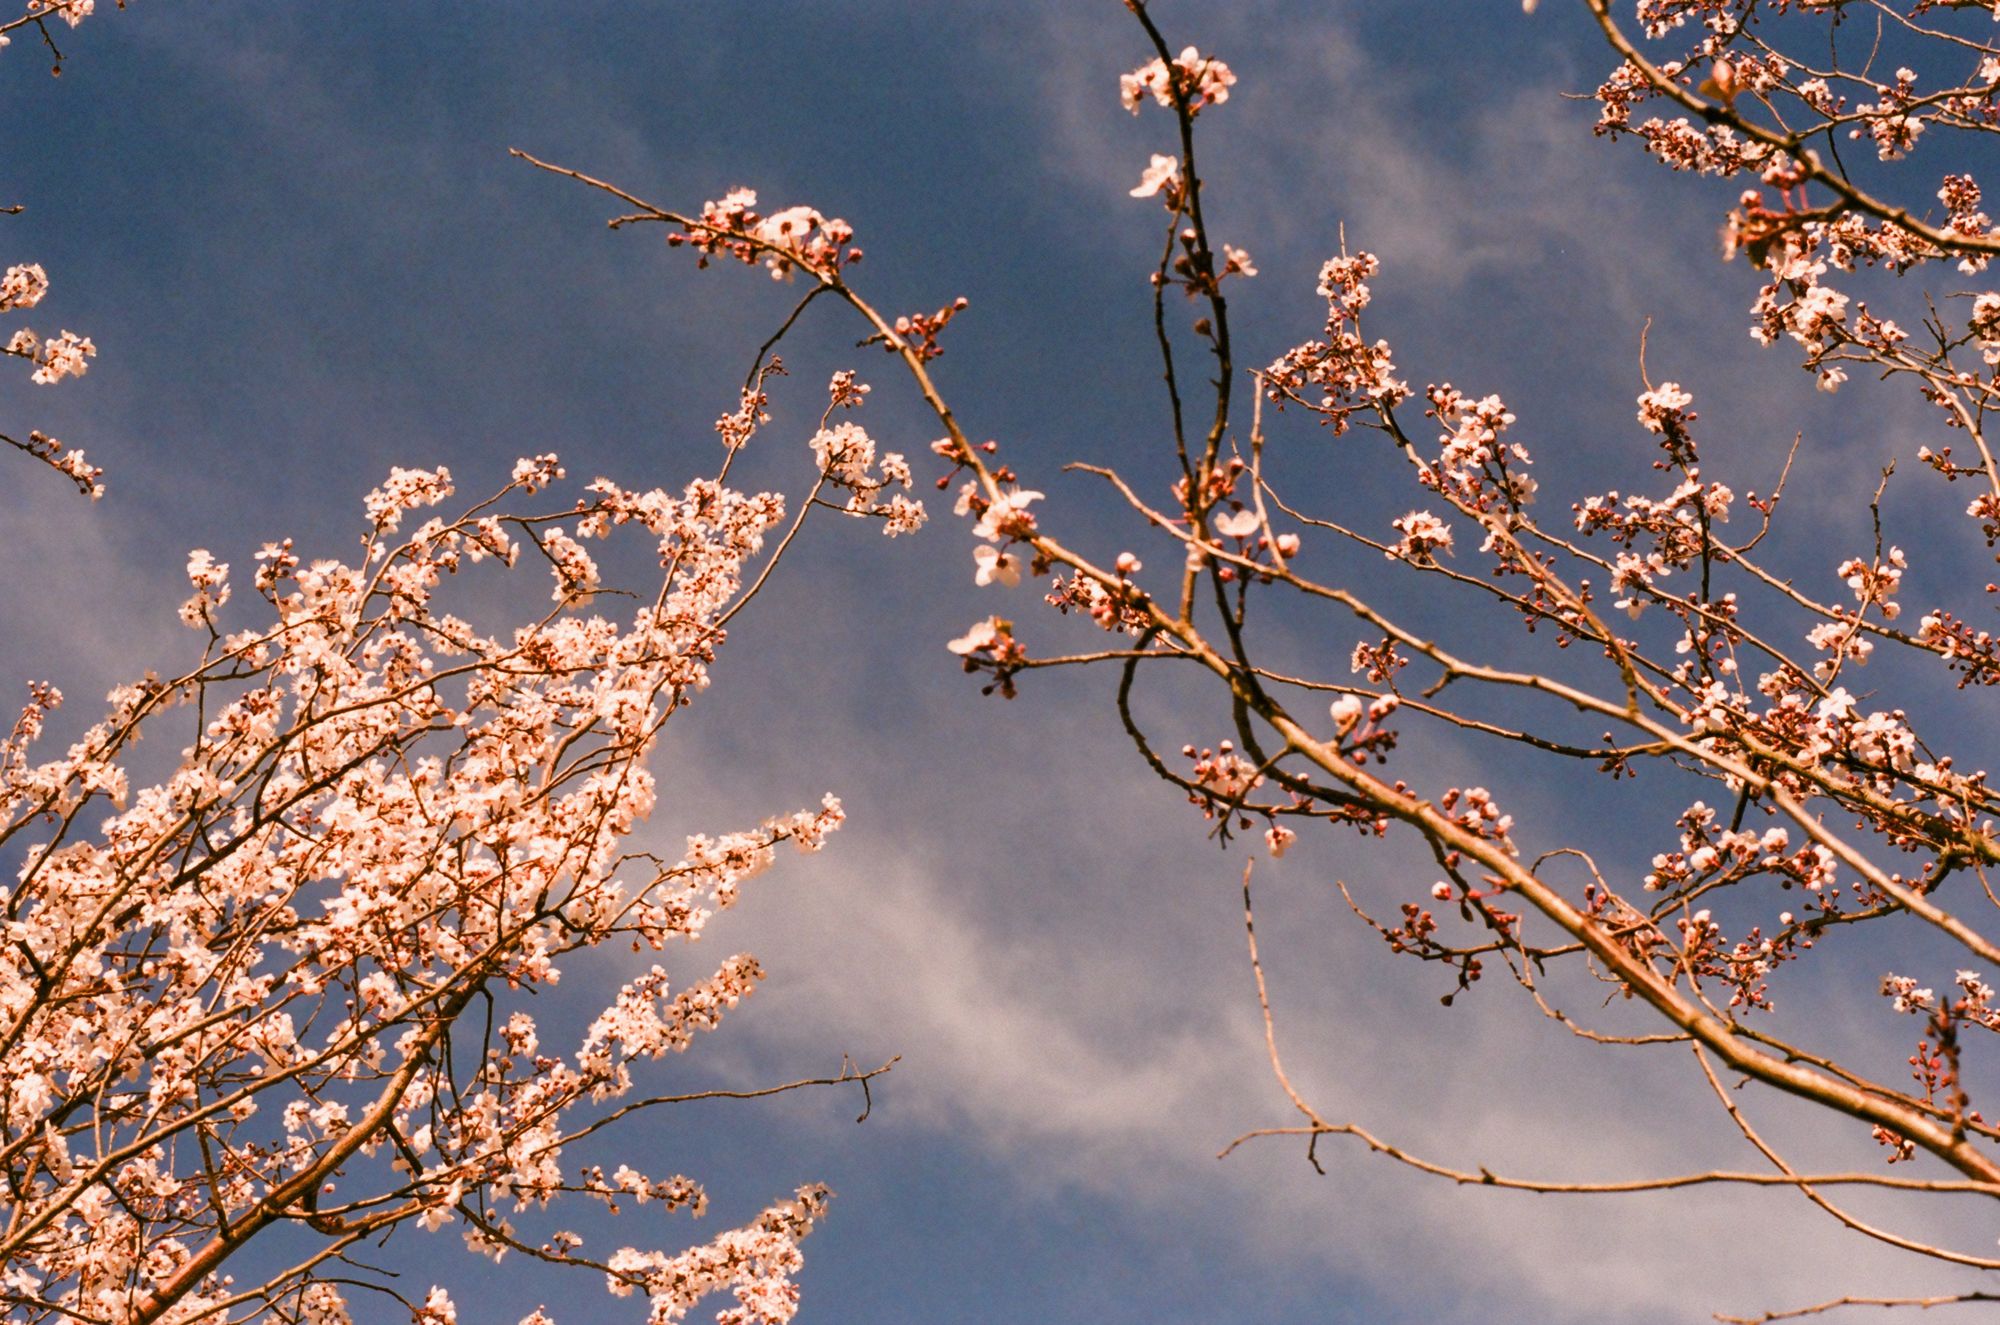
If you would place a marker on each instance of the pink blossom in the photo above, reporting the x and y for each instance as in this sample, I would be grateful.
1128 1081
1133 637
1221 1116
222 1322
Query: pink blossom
1237 524
1423 535
983 635
1200 81
994 564
1163 173
23 287
1007 516
63 356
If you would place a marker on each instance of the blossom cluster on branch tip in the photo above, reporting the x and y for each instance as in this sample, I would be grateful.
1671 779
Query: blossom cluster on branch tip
1192 80
794 237
67 461
918 332
1343 374
1423 535
23 287
847 459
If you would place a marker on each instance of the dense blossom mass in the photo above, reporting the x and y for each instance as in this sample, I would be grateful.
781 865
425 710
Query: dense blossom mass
234 995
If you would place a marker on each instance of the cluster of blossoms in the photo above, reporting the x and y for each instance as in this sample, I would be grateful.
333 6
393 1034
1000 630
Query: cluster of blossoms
1005 518
1378 662
753 409
65 460
1358 729
1972 652
919 332
1889 122
210 581
71 12
1422 536
1222 778
755 1262
1659 536
1343 373
54 357
794 237
1000 522
1193 81
23 287
1708 853
1973 1004
1474 469
1841 639
1116 608
847 459
1475 810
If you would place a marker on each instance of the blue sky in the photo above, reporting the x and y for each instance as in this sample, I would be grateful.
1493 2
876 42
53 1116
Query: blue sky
296 236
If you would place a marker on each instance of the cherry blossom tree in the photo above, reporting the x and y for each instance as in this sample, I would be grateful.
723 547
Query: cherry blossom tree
288 983
293 979
1683 642
280 980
